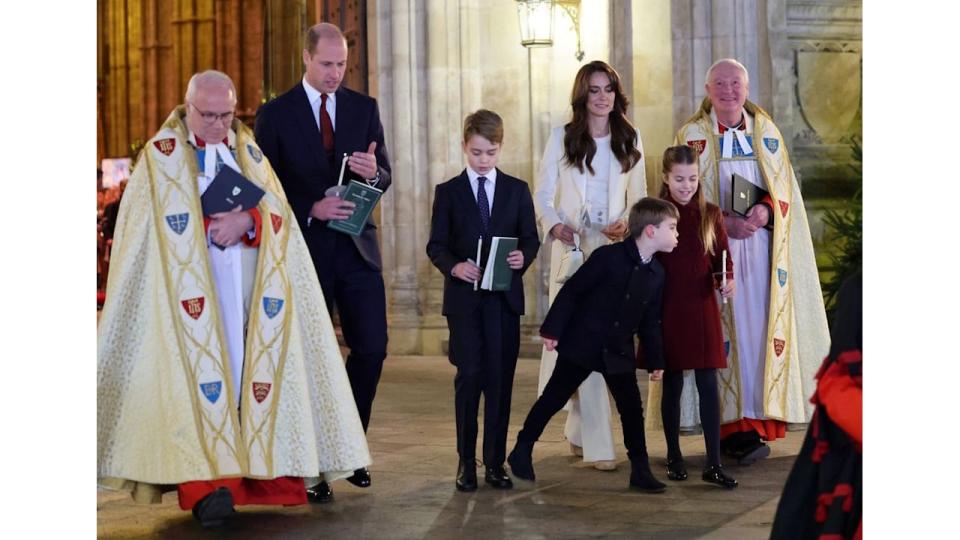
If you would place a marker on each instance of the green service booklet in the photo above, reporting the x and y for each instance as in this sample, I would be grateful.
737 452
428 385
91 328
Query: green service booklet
497 275
365 197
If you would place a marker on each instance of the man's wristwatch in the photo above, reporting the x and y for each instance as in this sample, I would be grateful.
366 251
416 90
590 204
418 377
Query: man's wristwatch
375 179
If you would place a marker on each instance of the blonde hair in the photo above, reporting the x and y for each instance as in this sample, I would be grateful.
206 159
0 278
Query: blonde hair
686 155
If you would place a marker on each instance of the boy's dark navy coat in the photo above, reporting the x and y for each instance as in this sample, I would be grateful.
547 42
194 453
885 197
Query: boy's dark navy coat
597 312
455 229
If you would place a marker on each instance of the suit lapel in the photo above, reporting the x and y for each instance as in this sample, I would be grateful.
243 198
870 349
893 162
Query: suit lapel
309 129
616 190
500 198
467 199
341 129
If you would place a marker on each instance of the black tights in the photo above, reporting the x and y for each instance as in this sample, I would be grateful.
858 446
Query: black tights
709 412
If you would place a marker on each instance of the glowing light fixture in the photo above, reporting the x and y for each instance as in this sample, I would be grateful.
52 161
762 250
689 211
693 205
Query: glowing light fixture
536 21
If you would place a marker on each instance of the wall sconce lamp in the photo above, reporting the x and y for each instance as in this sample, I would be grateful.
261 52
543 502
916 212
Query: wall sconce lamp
536 22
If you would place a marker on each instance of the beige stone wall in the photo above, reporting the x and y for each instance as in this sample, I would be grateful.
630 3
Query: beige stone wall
434 61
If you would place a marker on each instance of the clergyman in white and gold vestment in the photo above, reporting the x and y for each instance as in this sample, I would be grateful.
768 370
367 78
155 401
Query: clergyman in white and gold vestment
219 372
775 327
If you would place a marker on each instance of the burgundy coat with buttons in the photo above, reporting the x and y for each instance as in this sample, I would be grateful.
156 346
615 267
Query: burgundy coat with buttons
692 331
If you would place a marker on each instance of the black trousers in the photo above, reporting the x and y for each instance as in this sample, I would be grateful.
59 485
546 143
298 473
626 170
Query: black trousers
709 412
565 380
355 289
484 345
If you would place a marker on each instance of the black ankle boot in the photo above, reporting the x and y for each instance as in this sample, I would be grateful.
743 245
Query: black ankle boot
641 479
521 461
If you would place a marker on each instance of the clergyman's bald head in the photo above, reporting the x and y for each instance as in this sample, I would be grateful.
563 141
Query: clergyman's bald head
210 78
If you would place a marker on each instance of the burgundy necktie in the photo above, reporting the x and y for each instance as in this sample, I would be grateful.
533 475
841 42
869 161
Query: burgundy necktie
326 126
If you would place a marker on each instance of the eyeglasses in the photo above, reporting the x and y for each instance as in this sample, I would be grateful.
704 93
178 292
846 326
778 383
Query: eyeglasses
211 117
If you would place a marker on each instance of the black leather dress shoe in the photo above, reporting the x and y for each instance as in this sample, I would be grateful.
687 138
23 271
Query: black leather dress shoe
641 479
497 477
360 478
320 493
215 508
676 470
521 461
752 453
715 475
467 476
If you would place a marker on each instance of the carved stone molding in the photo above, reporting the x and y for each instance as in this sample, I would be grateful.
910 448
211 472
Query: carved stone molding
825 17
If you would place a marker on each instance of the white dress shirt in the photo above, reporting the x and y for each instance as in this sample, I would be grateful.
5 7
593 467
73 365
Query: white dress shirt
314 96
491 177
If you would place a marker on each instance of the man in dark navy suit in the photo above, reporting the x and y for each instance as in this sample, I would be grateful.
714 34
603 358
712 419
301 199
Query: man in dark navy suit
305 133
482 202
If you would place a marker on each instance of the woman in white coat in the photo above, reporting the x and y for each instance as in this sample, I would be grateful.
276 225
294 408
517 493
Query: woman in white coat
592 171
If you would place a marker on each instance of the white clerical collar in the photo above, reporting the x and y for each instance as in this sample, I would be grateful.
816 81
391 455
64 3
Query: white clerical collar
314 95
730 133
747 119
490 176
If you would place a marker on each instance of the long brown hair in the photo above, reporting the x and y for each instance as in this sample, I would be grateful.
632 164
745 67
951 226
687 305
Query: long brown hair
579 147
687 155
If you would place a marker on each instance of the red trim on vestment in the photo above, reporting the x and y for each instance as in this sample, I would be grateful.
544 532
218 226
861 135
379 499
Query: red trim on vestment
203 144
769 430
286 490
255 241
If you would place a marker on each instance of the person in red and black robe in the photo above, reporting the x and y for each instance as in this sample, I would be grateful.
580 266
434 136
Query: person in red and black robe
823 496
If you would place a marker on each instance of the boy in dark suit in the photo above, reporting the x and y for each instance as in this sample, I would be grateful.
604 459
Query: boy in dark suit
482 202
615 295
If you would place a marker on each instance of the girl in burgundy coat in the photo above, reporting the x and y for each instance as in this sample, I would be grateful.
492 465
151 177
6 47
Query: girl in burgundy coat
692 333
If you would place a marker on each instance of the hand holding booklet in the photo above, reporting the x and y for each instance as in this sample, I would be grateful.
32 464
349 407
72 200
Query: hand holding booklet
228 190
497 274
365 198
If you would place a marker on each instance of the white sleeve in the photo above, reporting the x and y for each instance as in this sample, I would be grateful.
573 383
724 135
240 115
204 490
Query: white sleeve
637 180
545 190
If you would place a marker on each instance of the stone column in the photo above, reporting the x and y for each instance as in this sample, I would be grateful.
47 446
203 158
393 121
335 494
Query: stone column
399 52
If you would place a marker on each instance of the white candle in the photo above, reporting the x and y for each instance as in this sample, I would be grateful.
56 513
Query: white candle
723 280
343 165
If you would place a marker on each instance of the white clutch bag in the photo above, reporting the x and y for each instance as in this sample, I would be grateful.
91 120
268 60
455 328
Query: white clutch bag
570 260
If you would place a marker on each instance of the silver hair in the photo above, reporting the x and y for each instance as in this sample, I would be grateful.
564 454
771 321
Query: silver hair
209 77
746 74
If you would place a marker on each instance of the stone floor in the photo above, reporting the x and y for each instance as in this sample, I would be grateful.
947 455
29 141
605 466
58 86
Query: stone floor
414 450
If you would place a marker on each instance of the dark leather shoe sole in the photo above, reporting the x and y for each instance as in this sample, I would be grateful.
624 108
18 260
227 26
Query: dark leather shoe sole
466 487
499 484
360 478
753 455
718 478
645 489
320 495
